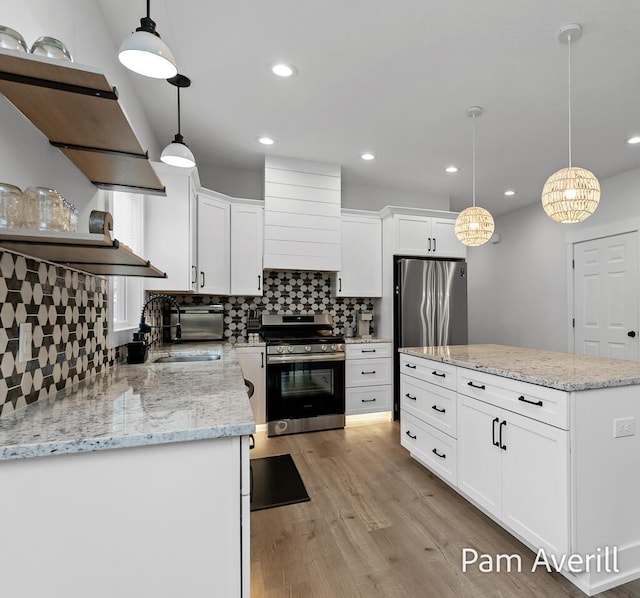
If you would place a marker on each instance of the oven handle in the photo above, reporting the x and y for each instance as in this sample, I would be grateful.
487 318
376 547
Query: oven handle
302 358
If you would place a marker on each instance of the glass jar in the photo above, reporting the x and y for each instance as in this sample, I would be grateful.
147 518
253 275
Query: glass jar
10 206
11 39
51 48
43 208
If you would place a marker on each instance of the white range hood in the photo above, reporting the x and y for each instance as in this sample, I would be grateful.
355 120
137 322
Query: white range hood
301 215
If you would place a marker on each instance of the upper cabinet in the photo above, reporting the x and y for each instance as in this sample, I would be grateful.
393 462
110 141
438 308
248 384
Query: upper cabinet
247 238
301 215
213 244
361 272
429 236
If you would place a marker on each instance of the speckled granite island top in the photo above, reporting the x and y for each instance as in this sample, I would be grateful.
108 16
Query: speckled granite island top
563 371
136 405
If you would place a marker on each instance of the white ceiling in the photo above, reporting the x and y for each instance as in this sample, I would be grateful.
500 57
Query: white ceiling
395 77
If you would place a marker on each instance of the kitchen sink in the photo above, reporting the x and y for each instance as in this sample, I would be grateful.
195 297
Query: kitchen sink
188 358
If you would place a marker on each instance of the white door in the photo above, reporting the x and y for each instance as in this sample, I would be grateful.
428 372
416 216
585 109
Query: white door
606 296
247 235
361 273
445 242
412 235
213 246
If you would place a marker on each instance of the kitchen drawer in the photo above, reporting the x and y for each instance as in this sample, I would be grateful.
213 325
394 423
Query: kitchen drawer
368 399
442 374
432 448
543 404
368 350
431 403
368 372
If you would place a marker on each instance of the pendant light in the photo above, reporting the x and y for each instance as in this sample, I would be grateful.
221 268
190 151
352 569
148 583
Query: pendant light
177 153
571 194
474 226
143 52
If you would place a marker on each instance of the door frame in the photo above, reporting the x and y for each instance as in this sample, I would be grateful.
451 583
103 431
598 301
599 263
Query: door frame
591 234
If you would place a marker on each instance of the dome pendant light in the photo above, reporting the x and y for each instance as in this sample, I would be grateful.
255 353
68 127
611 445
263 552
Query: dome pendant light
177 152
143 52
474 226
571 194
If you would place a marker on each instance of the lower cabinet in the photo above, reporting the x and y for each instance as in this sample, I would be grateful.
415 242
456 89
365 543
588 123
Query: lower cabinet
368 378
252 363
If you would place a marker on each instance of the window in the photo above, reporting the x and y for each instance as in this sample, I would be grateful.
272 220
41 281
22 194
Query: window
125 293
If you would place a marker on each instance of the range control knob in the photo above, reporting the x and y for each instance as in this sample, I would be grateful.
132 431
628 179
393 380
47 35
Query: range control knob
334 347
307 348
290 349
280 349
323 347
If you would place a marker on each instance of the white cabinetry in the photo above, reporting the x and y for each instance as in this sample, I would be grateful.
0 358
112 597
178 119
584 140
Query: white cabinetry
368 378
252 361
361 272
425 236
247 236
213 245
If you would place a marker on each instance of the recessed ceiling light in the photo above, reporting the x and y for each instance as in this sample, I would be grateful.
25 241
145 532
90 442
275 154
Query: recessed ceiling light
451 169
368 156
633 140
509 192
283 70
265 140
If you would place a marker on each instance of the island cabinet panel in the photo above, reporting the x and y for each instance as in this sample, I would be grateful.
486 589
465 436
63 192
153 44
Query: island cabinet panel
441 374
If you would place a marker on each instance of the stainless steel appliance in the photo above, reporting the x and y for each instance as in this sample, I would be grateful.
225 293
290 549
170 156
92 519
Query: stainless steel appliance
430 306
305 374
200 322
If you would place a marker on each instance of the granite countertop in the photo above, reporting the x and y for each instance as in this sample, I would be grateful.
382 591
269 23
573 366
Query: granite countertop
563 371
359 340
136 405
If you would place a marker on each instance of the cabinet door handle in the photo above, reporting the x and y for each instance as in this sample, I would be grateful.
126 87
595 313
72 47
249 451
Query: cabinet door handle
434 243
502 446
262 359
411 397
368 351
436 408
493 432
339 285
194 271
410 435
259 282
438 374
429 248
410 365
368 400
538 403
480 386
202 279
437 454
365 373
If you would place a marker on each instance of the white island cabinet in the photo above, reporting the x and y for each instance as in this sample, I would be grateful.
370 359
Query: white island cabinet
540 442
127 486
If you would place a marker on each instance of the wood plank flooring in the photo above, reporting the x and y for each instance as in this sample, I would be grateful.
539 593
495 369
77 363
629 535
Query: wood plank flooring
379 525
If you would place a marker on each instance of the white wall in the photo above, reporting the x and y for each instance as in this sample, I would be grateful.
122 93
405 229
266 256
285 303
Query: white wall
235 182
29 160
518 288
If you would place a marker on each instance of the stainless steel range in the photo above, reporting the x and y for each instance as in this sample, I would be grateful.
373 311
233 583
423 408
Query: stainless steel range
305 374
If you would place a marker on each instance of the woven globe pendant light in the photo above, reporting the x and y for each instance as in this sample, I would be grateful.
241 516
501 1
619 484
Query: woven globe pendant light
571 194
474 226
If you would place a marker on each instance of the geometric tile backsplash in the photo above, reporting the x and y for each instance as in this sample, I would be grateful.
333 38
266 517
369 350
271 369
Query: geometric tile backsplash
68 314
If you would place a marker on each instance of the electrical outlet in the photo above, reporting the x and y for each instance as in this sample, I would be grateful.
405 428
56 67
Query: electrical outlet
24 343
624 427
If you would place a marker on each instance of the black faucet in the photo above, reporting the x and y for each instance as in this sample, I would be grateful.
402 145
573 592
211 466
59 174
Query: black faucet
137 350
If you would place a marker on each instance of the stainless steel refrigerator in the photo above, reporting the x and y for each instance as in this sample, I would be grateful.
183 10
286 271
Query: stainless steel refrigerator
430 306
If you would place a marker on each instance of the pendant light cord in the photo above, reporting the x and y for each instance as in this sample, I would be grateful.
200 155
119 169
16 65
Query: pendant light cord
179 132
473 161
148 9
569 78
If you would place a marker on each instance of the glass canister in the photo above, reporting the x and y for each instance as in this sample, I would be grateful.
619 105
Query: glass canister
11 39
42 208
10 206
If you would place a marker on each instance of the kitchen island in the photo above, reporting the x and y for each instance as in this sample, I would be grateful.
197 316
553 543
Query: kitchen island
543 442
133 483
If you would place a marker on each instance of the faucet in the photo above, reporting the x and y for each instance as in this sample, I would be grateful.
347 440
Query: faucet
144 328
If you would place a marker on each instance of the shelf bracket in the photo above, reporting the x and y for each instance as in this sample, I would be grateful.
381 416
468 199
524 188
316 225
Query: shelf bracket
99 150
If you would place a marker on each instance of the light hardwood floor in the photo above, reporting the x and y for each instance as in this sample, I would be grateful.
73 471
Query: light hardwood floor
380 525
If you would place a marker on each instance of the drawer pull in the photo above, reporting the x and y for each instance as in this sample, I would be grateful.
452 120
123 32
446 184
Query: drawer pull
502 446
436 408
437 454
410 435
538 403
368 400
493 432
411 397
410 365
437 374
480 386
365 373
368 351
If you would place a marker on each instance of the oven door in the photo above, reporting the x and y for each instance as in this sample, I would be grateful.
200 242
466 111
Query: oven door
304 386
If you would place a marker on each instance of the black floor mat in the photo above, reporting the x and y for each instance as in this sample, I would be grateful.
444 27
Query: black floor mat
276 482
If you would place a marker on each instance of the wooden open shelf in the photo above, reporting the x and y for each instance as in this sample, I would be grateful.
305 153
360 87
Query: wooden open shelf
92 253
78 111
